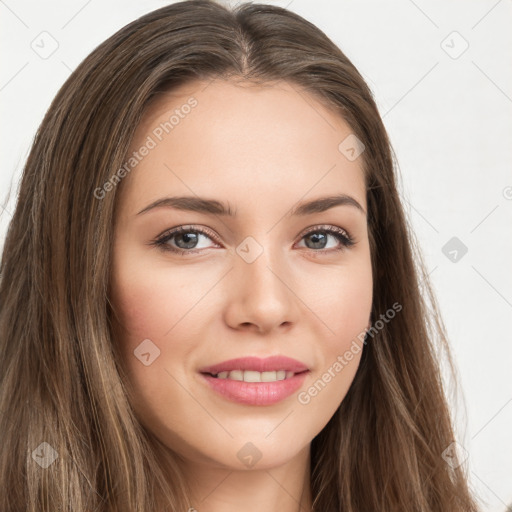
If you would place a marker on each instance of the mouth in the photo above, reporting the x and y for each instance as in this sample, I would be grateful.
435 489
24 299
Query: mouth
256 381
255 376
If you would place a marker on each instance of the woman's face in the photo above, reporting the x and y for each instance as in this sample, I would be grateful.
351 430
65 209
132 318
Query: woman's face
270 277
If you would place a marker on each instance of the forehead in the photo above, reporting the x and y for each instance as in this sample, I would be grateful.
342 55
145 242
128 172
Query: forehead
223 137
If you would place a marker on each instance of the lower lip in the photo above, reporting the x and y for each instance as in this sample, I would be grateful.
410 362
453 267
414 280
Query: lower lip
256 393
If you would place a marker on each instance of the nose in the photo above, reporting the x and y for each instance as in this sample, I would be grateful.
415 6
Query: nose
260 294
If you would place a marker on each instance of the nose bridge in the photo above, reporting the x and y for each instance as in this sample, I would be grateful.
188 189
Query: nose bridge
261 295
259 264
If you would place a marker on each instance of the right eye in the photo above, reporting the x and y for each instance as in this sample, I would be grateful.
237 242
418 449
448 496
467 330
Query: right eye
187 237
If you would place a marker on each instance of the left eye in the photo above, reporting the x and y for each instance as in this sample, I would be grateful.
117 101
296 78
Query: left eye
186 239
320 237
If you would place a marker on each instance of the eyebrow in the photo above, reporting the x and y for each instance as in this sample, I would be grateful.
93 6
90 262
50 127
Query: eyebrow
212 206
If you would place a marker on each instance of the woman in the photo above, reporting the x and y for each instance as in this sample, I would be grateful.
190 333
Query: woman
268 369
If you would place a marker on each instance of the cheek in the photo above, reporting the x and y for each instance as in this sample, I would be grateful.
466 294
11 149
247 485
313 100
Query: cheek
345 313
344 302
149 300
150 304
155 302
141 309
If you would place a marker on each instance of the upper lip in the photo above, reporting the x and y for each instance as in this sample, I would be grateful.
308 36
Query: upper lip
268 364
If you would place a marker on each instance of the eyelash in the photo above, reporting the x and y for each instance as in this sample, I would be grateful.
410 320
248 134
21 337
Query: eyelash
161 242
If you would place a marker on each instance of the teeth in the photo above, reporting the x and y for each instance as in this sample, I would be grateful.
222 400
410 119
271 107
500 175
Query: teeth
252 376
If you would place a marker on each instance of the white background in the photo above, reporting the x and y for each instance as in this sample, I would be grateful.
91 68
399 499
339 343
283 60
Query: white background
449 117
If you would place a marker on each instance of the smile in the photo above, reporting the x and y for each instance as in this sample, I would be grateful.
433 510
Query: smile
254 380
254 376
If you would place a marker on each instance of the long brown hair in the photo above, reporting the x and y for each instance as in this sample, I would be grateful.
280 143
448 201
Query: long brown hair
60 377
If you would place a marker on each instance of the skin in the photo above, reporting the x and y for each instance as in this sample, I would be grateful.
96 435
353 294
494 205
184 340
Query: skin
260 149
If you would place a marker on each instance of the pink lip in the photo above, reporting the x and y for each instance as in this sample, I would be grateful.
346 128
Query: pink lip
256 393
268 364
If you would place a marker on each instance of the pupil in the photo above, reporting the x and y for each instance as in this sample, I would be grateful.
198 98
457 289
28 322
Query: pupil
316 235
185 235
